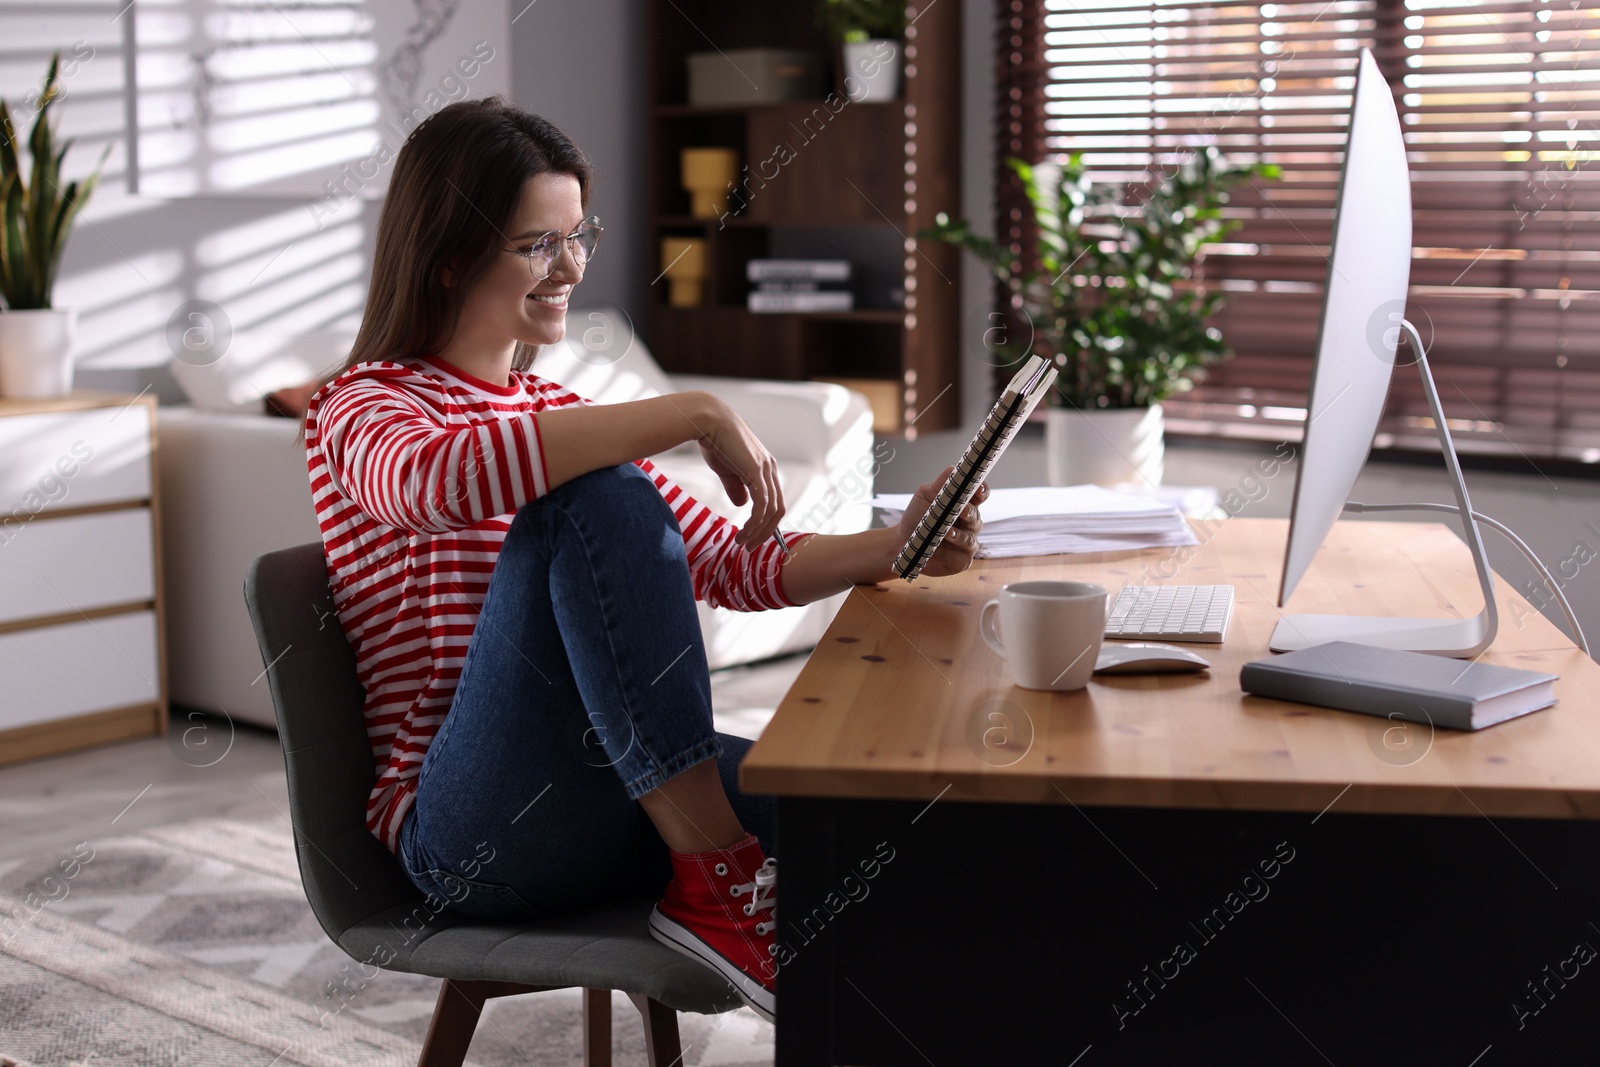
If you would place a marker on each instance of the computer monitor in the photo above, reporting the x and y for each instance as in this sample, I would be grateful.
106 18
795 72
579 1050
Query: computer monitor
1363 309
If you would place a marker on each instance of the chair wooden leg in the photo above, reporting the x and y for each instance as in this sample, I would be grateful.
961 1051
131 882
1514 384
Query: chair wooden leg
455 1018
597 1028
661 1046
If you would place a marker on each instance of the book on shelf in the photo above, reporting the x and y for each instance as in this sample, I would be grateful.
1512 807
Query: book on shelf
797 285
770 302
810 270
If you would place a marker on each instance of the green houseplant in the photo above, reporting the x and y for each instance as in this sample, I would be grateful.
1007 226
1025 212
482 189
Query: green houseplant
1109 292
868 32
39 209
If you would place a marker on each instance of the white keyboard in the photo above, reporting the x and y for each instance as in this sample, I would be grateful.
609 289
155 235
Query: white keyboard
1198 613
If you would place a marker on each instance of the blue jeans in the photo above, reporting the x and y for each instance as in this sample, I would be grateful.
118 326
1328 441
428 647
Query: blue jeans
584 686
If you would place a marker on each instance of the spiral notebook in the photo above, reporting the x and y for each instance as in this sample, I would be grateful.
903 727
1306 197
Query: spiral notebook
1021 396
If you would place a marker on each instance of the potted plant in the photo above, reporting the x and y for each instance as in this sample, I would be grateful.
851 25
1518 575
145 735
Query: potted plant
35 338
869 33
1109 292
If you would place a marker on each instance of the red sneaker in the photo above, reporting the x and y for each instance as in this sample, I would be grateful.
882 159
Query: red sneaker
721 909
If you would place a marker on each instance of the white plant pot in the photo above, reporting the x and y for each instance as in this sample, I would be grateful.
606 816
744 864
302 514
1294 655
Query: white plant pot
36 352
1104 447
872 70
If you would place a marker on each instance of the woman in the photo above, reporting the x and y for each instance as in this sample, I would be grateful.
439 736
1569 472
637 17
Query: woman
518 582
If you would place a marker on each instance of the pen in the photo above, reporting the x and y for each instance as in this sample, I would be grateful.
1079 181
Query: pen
778 537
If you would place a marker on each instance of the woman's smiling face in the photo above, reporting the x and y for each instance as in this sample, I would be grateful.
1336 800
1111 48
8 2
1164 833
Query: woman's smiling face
506 302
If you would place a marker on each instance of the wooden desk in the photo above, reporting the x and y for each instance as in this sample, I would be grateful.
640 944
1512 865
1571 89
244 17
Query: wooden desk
903 732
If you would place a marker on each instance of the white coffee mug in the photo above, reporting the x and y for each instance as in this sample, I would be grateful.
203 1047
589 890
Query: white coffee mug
1052 631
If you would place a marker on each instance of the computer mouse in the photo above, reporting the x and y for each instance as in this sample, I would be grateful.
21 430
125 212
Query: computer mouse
1143 657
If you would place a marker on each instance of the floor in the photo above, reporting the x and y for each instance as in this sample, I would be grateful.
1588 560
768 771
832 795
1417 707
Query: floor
54 803
205 766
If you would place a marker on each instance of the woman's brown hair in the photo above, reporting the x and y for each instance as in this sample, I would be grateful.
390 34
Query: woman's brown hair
456 185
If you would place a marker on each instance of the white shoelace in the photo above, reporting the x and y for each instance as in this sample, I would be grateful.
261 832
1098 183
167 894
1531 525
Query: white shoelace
761 895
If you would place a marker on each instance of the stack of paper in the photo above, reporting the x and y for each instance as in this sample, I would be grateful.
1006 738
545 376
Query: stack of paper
1044 520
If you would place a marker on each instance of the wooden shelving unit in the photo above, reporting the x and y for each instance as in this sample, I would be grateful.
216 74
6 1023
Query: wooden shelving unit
847 180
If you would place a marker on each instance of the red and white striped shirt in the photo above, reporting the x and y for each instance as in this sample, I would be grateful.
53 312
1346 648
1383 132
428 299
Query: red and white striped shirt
417 469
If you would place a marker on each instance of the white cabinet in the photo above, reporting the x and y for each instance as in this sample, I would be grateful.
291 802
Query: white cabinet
78 668
77 562
81 640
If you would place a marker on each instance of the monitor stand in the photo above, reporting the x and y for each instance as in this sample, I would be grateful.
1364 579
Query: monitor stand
1441 637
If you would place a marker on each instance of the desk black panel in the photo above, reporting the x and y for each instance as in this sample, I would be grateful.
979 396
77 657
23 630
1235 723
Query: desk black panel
1006 934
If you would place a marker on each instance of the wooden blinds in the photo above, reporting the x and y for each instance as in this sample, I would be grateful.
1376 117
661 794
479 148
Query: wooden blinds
1499 100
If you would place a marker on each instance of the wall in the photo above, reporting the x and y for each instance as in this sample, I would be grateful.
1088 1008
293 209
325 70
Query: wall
581 65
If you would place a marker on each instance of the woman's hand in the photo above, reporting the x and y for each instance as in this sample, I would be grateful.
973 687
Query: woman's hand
955 552
748 472
824 564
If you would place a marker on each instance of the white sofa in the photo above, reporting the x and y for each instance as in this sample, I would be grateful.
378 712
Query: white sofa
233 485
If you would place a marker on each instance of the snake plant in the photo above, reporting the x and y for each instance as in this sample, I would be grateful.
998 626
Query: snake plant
38 211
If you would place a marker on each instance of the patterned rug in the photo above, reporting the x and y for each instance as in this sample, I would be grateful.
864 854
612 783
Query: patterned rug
192 944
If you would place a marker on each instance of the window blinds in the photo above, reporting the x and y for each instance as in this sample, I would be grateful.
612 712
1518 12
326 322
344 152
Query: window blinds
1499 102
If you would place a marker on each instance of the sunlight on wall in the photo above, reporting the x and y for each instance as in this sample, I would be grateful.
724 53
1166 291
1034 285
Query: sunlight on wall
122 308
268 233
133 335
245 274
116 283
264 302
125 295
283 272
339 309
90 109
273 99
239 98
250 169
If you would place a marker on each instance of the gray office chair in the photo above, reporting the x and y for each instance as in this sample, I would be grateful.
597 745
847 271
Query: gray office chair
370 909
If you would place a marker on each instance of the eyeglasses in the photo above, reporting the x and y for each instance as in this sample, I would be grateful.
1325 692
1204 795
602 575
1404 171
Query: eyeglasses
546 248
